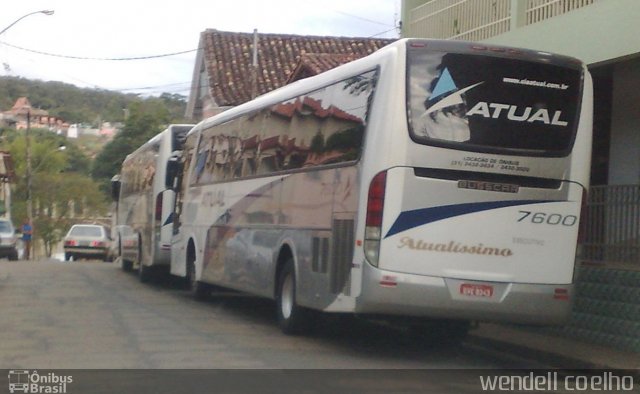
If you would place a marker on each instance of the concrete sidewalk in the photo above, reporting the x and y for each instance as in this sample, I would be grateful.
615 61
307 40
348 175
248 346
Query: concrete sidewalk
550 351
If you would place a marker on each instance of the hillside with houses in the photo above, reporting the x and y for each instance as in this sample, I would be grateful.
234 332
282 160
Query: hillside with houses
57 106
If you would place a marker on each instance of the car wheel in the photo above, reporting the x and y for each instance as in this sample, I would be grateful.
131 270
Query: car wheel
292 318
13 256
68 256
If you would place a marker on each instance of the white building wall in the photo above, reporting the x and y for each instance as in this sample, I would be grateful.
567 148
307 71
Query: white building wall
73 131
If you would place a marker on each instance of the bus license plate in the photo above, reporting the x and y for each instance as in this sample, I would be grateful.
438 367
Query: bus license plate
474 290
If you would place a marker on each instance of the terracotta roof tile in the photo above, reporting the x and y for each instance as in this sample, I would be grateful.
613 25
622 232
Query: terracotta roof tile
298 106
21 102
315 63
281 59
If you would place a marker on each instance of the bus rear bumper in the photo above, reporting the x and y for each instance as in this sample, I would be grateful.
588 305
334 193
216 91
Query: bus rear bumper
392 293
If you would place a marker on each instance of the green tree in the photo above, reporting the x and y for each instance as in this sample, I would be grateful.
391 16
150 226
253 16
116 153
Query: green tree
145 120
54 189
60 197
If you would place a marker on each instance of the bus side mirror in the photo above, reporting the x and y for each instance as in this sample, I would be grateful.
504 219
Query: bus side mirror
173 170
115 187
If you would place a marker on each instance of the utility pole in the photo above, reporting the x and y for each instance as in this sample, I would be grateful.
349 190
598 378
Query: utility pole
29 176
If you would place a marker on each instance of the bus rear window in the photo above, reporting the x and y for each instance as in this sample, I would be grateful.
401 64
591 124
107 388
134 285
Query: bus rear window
492 104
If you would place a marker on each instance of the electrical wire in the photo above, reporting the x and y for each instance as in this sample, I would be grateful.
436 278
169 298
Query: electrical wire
384 32
361 18
155 89
157 86
97 58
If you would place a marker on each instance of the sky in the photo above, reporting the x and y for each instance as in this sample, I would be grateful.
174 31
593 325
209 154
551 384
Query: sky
80 31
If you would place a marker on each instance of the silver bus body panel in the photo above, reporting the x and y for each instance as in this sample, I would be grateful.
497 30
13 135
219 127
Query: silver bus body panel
238 236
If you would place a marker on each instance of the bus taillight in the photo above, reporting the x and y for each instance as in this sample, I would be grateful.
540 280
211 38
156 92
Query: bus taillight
373 227
159 207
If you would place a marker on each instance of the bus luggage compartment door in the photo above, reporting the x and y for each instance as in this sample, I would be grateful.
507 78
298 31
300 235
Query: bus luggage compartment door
437 227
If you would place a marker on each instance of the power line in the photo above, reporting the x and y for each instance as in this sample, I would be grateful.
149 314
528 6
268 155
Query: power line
97 58
361 18
384 32
157 86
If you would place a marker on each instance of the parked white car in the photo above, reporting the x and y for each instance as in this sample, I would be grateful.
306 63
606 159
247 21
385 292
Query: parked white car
87 240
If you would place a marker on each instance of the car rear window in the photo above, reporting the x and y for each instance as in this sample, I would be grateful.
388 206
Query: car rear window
86 231
5 227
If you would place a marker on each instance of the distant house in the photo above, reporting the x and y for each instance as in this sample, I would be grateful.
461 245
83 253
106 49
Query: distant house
73 131
107 130
224 76
22 113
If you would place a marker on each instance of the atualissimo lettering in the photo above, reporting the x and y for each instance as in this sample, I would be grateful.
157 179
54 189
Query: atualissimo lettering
453 247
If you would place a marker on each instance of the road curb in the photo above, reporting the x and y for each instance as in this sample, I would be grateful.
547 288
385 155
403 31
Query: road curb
525 353
541 358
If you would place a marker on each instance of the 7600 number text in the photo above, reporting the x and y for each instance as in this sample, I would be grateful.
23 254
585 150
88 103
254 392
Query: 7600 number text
554 219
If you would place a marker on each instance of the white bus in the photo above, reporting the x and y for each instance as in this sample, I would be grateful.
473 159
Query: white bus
431 179
144 206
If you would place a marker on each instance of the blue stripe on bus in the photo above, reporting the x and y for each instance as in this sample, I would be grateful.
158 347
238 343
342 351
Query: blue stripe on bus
410 219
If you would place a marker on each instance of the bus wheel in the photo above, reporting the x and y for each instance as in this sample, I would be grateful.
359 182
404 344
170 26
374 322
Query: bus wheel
292 318
127 266
197 288
144 273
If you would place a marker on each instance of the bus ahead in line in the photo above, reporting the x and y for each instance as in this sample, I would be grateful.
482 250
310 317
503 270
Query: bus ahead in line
436 180
144 205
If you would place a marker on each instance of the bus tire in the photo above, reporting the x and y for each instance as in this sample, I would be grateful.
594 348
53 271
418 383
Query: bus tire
198 289
292 318
144 273
127 266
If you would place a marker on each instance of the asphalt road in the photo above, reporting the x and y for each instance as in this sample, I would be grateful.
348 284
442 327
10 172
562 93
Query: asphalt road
92 315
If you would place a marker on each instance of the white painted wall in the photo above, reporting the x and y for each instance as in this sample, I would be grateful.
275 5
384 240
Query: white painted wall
600 32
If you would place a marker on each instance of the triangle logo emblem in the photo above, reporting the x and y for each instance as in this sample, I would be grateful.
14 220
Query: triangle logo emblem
444 85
